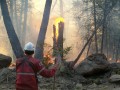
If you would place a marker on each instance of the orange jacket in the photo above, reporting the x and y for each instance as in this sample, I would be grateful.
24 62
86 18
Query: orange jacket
26 79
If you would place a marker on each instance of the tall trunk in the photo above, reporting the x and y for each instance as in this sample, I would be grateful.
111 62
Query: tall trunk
60 38
114 50
16 18
88 30
40 42
108 39
10 30
117 49
20 19
96 45
107 45
104 22
25 23
54 40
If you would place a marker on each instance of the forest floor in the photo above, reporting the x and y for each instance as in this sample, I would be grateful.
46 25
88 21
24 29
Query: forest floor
61 83
62 86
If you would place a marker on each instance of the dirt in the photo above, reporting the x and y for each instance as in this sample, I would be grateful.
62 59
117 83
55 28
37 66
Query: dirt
61 84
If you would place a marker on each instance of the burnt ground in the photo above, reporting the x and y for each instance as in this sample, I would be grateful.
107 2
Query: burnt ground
61 83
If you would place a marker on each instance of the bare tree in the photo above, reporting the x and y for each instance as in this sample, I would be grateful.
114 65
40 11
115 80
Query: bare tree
10 30
40 42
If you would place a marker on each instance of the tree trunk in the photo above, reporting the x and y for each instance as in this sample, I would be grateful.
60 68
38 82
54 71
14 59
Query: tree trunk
96 45
20 20
60 38
40 42
25 23
10 30
54 40
16 19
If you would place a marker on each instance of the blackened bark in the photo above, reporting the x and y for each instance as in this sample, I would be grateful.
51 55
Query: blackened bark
60 39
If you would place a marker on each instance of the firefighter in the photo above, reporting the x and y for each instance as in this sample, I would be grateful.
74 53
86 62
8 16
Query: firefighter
27 69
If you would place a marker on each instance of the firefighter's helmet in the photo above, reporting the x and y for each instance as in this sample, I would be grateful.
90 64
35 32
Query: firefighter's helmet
29 46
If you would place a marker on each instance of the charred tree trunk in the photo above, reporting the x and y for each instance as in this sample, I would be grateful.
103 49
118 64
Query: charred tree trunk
10 30
41 37
60 38
54 40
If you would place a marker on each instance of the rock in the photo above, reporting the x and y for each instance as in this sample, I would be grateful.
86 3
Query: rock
115 65
92 86
79 78
93 64
116 89
79 86
4 61
114 78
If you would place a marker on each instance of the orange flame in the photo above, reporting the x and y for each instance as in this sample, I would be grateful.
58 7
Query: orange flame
48 59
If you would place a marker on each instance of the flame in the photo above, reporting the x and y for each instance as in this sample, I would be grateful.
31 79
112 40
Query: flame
48 59
57 21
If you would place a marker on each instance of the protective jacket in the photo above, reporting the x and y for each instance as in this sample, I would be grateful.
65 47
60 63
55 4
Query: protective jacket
26 70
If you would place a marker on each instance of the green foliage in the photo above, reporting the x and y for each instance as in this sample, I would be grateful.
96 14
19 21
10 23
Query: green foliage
63 52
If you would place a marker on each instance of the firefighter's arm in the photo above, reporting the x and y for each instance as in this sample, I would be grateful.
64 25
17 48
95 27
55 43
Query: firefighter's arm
49 72
46 72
